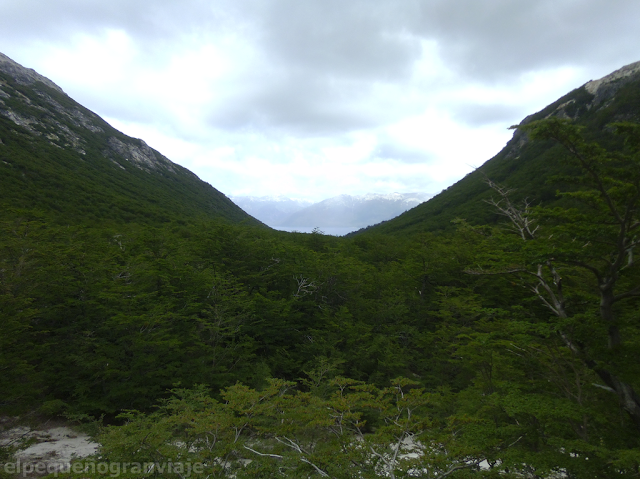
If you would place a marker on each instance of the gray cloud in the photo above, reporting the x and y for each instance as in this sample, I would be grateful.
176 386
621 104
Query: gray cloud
401 153
55 20
480 115
316 62
300 103
496 39
372 39
356 39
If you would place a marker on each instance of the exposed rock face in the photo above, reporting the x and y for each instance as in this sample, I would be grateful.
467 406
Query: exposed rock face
24 76
623 73
141 155
61 120
599 94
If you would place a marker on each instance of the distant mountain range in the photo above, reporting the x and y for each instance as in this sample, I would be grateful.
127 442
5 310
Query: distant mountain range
271 210
343 211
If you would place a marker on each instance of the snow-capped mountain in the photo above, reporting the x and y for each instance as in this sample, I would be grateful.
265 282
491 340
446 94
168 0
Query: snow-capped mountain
271 210
353 211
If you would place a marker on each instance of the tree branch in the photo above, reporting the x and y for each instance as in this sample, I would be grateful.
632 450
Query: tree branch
275 456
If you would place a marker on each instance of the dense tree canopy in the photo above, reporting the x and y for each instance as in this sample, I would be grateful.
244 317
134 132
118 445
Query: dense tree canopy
504 350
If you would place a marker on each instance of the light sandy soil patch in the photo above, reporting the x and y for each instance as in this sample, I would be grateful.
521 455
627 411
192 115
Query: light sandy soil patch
51 448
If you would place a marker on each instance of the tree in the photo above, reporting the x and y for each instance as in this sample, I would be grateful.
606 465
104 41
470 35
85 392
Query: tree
597 237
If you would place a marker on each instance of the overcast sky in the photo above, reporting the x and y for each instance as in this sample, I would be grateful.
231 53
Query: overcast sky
314 98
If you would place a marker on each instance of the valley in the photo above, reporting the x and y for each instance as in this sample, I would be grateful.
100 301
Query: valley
488 331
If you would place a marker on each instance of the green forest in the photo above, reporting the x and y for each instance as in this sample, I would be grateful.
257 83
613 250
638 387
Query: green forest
504 348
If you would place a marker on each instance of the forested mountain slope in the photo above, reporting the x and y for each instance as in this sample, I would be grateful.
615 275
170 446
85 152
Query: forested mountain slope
525 166
61 158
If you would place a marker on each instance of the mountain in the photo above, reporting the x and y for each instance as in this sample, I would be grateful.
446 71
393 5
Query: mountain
271 210
354 211
344 211
526 166
58 157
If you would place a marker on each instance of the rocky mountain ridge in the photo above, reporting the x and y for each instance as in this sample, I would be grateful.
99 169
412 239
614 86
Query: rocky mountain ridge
24 76
627 72
42 123
57 155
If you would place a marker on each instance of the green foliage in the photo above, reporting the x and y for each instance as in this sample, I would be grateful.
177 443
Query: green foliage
289 433
579 264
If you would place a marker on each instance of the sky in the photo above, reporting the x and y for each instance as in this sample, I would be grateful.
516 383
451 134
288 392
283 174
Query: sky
316 98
